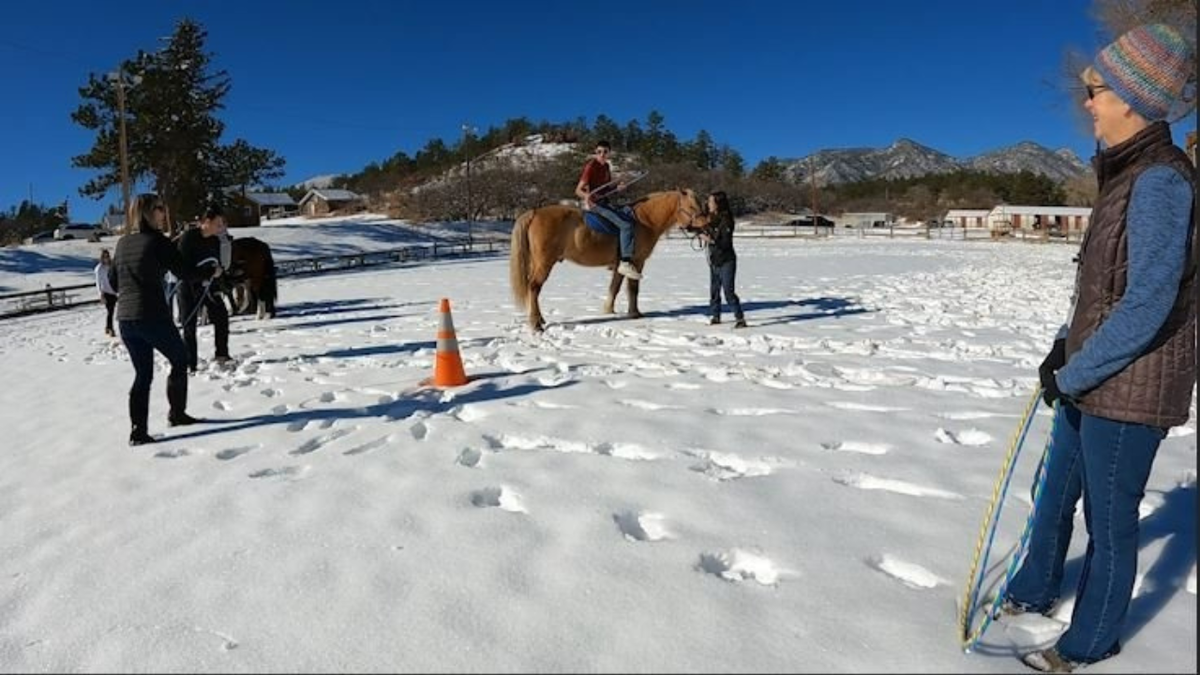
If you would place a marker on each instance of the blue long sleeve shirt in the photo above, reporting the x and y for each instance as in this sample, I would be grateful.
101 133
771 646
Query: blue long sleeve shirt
1157 222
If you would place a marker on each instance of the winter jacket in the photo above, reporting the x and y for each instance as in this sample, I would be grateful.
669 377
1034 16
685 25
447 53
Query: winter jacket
720 245
1132 337
139 263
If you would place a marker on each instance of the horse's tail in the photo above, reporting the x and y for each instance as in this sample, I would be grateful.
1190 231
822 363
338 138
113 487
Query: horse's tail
270 286
518 259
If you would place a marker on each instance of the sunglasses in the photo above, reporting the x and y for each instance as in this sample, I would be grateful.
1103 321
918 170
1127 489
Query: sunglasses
1093 89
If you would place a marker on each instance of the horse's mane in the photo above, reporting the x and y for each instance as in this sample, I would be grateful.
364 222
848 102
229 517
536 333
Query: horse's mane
651 195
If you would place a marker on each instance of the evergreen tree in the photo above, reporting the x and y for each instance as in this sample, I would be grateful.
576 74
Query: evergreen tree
634 137
770 169
172 127
702 152
654 144
606 129
731 162
243 165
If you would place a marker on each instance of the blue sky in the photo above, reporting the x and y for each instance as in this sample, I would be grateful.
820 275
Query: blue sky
333 86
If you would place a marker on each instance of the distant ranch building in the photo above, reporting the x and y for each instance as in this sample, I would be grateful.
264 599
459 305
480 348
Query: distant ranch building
326 201
965 218
868 219
250 209
1007 217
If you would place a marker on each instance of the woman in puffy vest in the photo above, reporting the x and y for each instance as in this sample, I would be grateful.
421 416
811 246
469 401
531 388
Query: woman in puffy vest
1121 371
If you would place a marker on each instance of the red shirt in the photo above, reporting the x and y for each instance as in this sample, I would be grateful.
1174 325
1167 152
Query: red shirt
594 175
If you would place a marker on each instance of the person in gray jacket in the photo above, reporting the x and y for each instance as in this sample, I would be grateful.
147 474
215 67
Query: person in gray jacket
141 260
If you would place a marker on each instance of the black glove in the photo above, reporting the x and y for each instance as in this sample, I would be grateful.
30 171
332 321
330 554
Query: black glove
1056 359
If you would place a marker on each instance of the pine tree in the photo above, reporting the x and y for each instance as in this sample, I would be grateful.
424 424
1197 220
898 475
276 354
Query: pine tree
731 162
170 116
605 129
770 169
654 143
243 165
702 152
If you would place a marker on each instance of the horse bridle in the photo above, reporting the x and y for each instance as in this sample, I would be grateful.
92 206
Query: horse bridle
691 215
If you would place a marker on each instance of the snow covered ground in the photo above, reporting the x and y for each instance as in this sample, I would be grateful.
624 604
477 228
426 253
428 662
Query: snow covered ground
650 495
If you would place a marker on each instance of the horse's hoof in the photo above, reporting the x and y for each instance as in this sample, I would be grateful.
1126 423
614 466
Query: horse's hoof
608 309
635 315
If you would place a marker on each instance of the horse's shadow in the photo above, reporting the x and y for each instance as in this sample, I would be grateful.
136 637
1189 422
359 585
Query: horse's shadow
300 309
426 399
819 308
375 350
325 323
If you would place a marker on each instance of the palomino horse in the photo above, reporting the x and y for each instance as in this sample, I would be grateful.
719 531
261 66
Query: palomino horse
252 275
548 235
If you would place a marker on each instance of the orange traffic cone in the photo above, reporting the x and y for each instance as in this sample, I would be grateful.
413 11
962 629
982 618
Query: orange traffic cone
447 366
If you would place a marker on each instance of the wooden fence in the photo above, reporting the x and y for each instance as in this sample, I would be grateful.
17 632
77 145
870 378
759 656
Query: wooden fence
55 298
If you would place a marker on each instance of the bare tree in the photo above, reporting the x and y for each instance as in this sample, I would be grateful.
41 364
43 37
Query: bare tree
1081 190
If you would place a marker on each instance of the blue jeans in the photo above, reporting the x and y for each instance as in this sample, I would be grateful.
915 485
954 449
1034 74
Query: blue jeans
141 338
1108 462
720 278
626 228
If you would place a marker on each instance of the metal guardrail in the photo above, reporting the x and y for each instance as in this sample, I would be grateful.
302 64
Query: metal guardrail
54 298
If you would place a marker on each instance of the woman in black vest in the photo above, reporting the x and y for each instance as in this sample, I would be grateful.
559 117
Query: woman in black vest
1121 371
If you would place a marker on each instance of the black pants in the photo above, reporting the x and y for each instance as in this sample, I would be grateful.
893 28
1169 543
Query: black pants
110 303
190 295
721 278
141 339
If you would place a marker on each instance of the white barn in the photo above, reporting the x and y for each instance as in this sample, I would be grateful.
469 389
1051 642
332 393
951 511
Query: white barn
966 218
1062 218
866 219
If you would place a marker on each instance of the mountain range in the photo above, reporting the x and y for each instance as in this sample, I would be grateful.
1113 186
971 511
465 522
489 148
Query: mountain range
908 159
904 158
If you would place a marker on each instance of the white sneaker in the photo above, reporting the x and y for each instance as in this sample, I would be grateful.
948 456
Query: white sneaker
627 269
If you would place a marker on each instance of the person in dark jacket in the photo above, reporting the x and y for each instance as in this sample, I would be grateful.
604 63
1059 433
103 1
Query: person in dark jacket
722 261
144 321
1121 371
200 248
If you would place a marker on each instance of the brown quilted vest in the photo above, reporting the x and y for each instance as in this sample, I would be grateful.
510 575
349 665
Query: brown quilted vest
1156 388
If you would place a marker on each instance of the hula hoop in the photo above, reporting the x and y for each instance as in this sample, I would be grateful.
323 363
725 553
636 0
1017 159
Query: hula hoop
987 532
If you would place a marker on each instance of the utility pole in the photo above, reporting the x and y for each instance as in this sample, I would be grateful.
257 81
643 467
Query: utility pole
468 130
119 79
812 174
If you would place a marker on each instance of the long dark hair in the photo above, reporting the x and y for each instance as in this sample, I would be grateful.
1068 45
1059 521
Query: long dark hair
723 216
722 201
